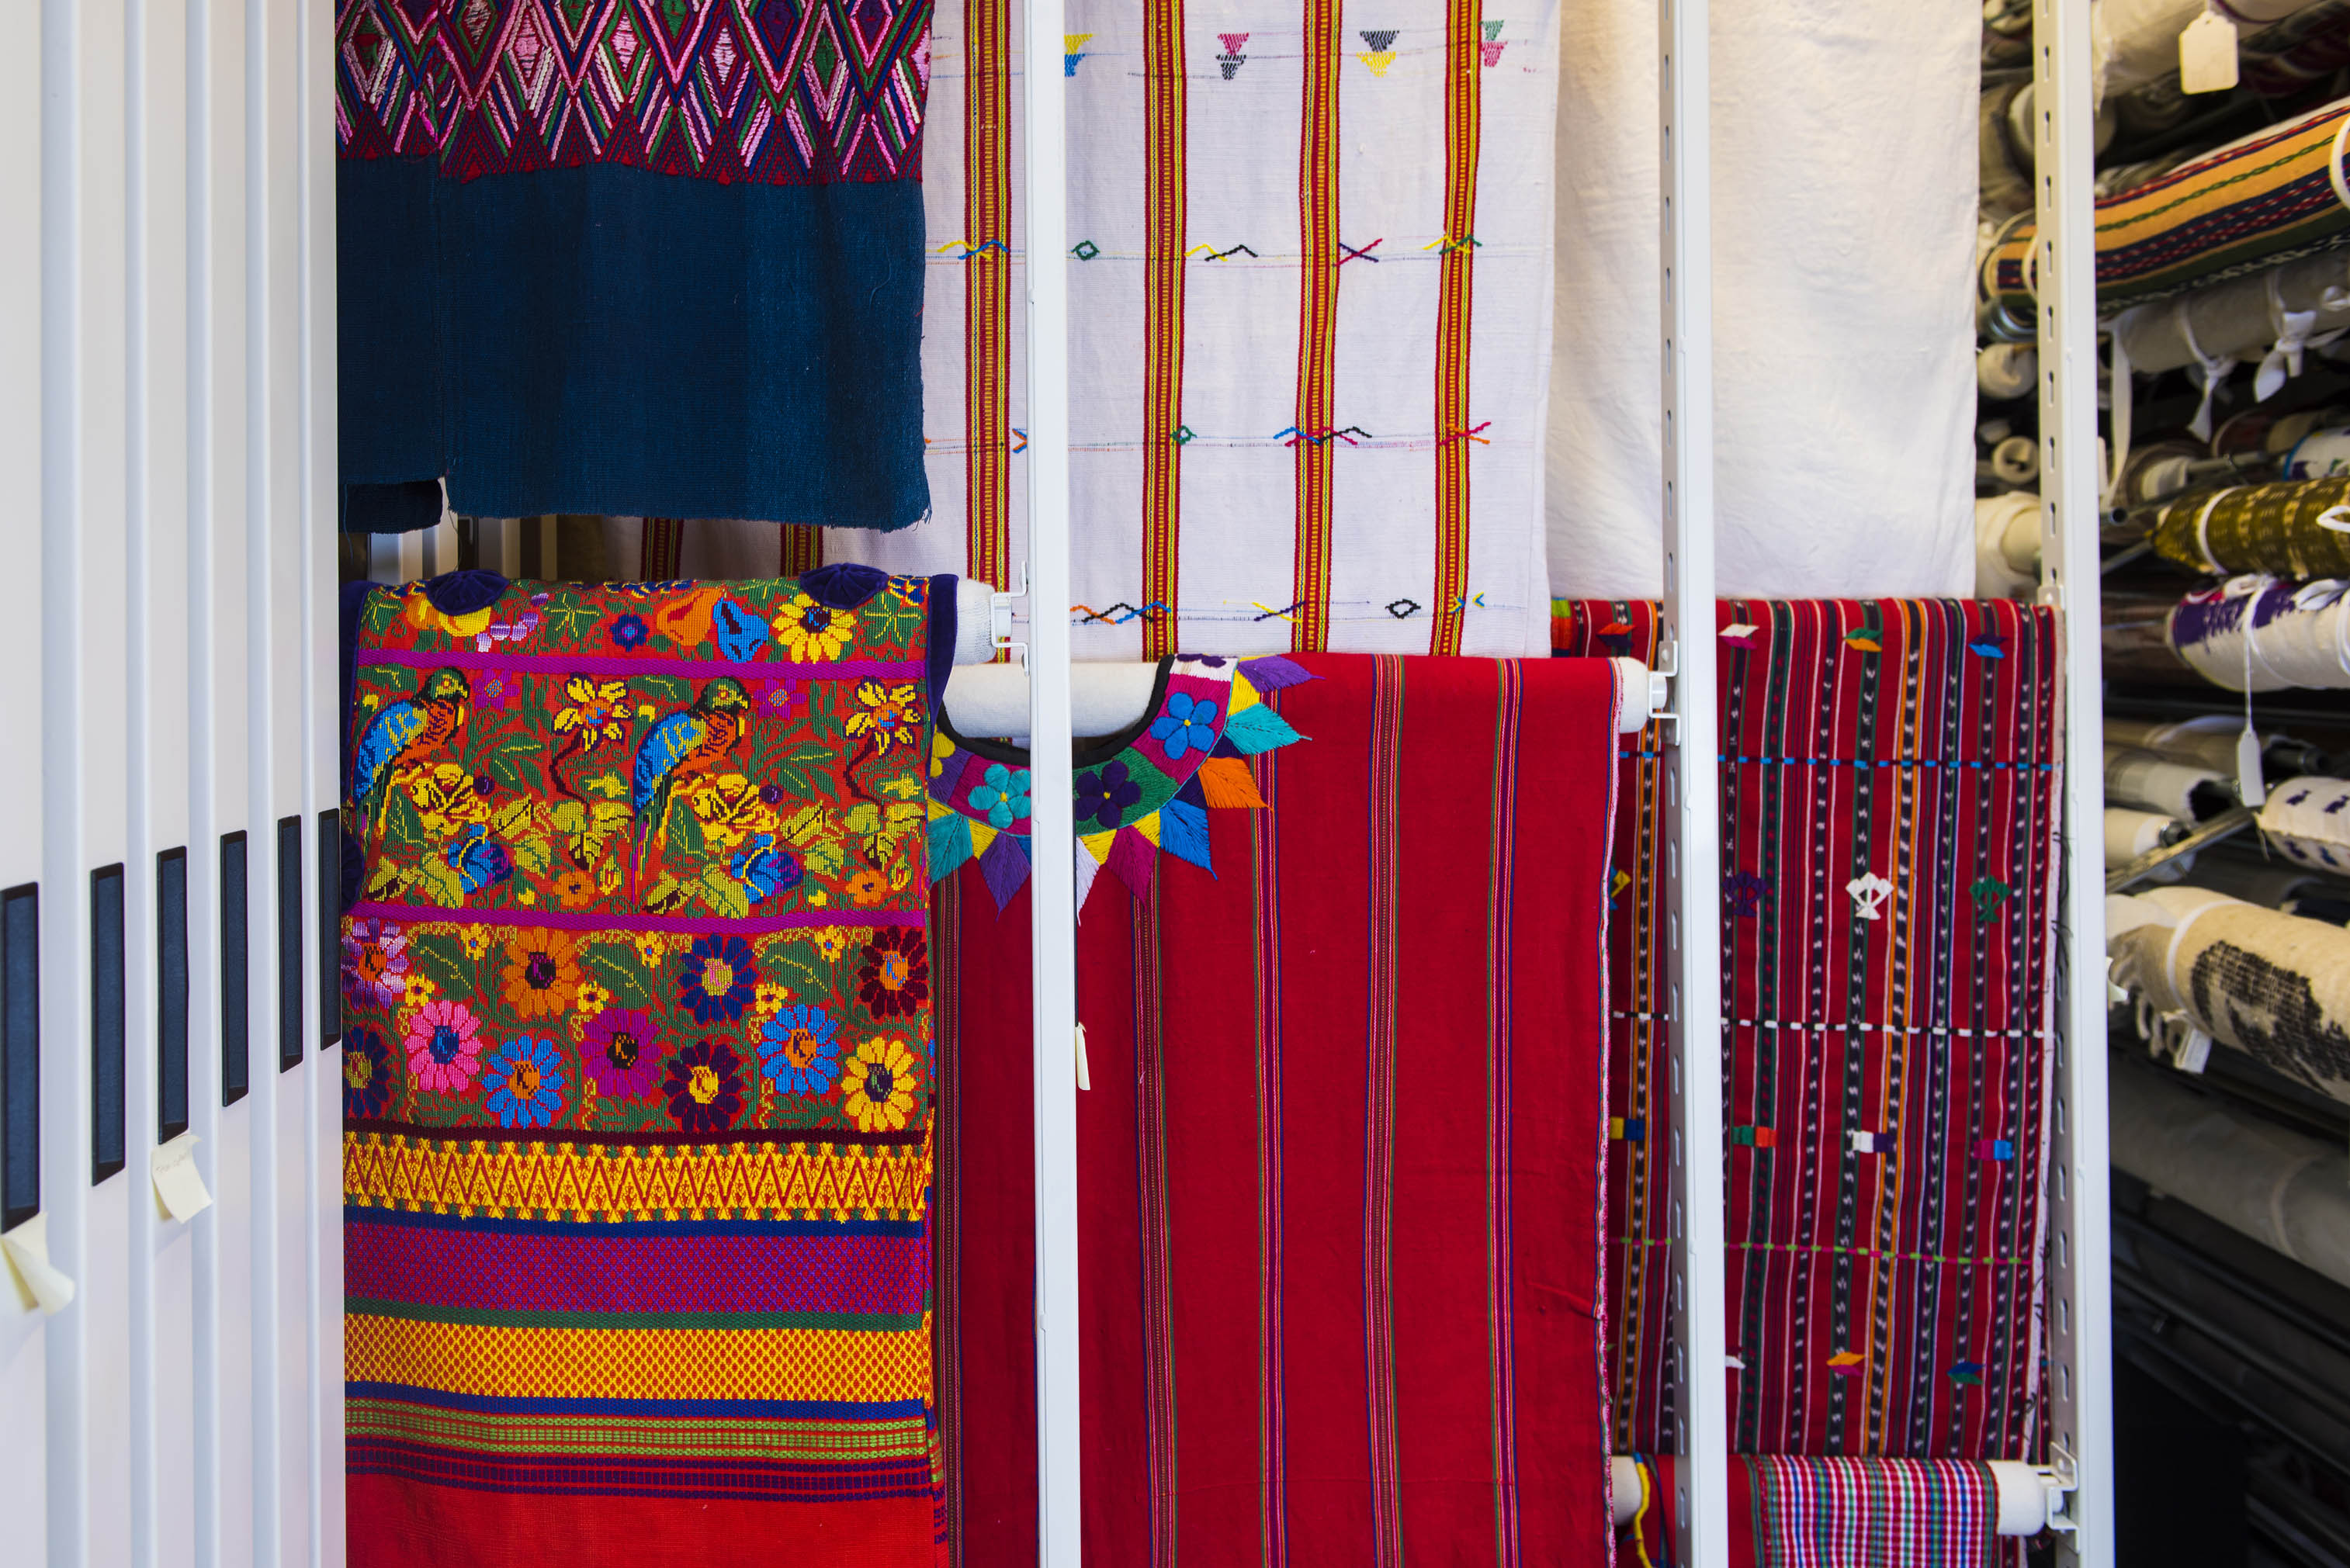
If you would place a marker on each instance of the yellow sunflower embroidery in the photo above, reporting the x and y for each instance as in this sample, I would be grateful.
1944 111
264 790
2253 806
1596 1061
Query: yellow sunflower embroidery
878 1087
813 633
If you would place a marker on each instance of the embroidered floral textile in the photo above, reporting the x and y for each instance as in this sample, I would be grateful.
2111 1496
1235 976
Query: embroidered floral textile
1151 791
638 1080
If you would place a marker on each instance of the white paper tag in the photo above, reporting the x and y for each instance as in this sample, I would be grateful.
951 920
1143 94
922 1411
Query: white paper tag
179 1185
2250 787
2207 54
1084 1074
28 1251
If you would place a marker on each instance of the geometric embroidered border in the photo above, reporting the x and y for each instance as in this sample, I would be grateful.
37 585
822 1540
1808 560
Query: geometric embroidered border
607 1182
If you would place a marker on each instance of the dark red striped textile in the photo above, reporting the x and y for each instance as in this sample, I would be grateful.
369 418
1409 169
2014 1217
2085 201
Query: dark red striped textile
1887 1054
1340 1162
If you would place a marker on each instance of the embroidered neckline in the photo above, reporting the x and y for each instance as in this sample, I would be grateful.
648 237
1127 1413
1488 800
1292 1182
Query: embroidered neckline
1147 789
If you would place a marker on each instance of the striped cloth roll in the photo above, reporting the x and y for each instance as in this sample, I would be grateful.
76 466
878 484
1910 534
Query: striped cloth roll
2285 528
1802 1512
2252 203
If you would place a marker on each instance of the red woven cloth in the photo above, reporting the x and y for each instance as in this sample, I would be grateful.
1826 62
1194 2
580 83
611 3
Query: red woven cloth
1340 1162
1890 803
1837 1513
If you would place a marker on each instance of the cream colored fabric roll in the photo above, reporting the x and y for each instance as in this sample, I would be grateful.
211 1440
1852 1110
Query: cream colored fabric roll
2276 987
2130 834
2308 821
2147 783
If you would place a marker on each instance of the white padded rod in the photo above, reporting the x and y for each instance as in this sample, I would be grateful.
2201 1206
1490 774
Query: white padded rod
2023 1494
992 698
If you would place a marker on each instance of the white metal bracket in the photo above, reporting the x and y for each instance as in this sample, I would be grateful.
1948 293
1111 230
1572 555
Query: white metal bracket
999 618
1660 690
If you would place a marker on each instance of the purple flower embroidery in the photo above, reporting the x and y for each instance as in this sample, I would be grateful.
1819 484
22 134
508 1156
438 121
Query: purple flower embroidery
1103 796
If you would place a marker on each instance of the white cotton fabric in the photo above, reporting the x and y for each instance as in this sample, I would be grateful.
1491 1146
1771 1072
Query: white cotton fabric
1238 519
1843 271
1843 209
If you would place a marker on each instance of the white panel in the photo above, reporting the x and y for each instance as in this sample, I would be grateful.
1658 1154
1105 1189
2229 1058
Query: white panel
219 803
82 750
24 1339
154 573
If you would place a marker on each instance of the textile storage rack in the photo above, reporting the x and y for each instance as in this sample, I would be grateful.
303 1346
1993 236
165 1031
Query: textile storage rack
171 317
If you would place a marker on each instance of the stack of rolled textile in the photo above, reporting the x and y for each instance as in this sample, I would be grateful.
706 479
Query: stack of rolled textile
2273 985
2265 199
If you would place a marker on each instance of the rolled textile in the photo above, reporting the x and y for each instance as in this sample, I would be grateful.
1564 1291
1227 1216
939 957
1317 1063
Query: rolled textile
2245 318
1806 1512
2007 545
2263 634
2308 822
2211 740
2134 639
2320 454
1861 119
2253 203
2278 1187
2276 987
2286 59
2287 527
2005 372
2130 834
2149 783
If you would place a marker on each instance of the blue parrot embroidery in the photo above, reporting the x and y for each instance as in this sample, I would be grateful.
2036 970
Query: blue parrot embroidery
694 741
405 730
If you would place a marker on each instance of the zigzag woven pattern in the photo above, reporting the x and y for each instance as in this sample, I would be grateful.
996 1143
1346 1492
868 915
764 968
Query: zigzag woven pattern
570 1181
765 91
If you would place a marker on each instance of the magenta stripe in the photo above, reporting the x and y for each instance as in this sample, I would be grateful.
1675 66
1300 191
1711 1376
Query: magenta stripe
632 920
594 1271
631 664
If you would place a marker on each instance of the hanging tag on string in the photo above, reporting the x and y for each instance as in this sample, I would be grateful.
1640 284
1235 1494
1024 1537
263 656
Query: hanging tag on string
1085 1072
2207 54
2250 787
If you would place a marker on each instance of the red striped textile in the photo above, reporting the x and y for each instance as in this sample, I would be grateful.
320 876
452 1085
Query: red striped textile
1840 1514
1341 1163
1891 804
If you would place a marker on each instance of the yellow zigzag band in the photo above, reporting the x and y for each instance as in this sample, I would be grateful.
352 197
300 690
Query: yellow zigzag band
608 1182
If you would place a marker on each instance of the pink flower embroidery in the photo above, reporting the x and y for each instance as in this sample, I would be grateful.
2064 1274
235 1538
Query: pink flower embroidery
441 1050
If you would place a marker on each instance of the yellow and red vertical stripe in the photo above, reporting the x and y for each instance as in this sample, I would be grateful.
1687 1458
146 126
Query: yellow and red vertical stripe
802 549
1317 323
987 282
1163 433
1463 60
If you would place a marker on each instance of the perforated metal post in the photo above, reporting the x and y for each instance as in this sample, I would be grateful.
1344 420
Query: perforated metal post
1693 815
1052 888
2080 1340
